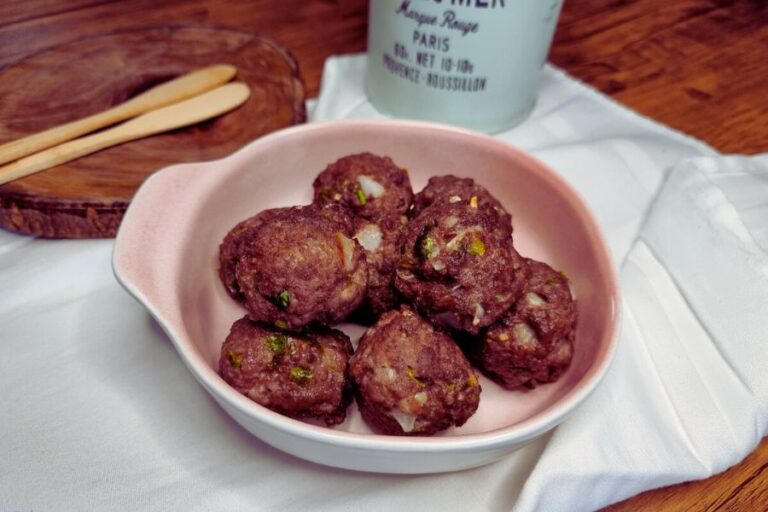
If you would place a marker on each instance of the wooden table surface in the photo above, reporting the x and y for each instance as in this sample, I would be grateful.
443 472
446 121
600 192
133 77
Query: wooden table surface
700 66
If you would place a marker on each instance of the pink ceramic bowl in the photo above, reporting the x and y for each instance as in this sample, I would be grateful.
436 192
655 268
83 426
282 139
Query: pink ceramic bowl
166 255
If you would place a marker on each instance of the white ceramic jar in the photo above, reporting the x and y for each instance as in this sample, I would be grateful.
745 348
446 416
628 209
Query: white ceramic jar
473 63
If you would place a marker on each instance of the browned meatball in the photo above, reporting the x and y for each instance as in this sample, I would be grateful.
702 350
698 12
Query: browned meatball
534 342
229 250
451 189
301 375
412 379
459 267
302 267
372 186
381 241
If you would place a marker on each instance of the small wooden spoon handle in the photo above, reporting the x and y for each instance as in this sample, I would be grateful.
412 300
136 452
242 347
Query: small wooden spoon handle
179 89
200 108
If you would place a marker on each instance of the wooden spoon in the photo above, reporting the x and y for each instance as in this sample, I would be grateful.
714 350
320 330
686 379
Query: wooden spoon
200 108
164 94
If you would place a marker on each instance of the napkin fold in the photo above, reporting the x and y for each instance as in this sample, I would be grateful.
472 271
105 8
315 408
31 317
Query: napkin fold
97 412
685 397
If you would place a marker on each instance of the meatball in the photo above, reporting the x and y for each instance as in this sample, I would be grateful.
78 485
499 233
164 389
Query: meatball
229 250
381 241
451 189
302 267
372 186
534 342
303 375
459 267
410 378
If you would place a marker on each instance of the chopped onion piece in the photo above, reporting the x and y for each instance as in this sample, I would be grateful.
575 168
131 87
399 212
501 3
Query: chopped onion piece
479 314
371 187
406 421
386 373
534 299
561 353
369 237
438 265
453 243
525 336
413 404
346 250
454 199
405 275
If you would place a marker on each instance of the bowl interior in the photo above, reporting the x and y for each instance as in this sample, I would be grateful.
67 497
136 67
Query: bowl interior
550 224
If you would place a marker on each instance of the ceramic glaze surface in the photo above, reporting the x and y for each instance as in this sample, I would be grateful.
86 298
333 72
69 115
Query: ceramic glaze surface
166 255
470 63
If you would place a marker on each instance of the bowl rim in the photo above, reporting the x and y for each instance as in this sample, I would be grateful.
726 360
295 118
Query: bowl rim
520 431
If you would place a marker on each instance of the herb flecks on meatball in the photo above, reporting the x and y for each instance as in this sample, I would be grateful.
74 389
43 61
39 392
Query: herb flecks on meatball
533 343
371 186
459 267
412 379
302 267
381 241
301 375
452 189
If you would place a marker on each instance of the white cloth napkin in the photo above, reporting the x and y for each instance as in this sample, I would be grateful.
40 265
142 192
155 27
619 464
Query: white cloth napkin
98 413
685 398
687 395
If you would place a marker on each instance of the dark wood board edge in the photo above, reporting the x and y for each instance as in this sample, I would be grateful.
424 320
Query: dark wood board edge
28 216
37 217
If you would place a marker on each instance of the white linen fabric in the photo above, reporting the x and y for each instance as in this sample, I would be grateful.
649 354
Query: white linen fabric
98 413
687 395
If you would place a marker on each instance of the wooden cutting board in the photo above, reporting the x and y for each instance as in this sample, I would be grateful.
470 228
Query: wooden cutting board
86 198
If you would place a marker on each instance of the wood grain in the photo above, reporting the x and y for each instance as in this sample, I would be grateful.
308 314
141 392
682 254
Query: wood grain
696 65
311 29
190 111
743 487
172 91
699 66
86 197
